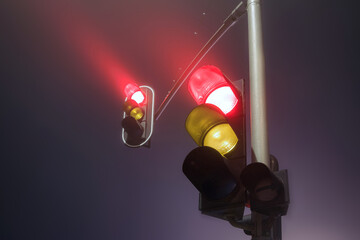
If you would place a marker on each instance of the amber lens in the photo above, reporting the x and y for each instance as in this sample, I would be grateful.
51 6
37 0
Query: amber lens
129 105
208 127
137 113
222 138
201 119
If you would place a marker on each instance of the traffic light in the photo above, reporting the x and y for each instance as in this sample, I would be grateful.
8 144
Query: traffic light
268 190
138 116
209 85
217 125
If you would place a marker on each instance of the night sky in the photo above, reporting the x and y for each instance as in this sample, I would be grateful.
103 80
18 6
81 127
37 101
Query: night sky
65 173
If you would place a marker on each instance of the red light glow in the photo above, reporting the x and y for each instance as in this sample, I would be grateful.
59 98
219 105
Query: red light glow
208 85
224 98
133 92
76 28
138 97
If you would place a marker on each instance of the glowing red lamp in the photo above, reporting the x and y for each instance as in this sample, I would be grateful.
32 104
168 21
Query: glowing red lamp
208 85
133 92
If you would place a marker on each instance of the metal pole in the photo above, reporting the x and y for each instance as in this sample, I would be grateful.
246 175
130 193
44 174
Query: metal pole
259 138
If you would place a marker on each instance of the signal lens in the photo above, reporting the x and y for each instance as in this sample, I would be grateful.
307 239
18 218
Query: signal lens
209 85
129 105
221 137
224 98
206 169
137 113
133 92
208 127
205 80
138 97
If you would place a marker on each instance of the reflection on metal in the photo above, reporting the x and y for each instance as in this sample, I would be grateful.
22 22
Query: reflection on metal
259 138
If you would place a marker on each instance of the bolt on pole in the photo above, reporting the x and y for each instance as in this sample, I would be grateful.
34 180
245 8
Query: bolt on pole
259 138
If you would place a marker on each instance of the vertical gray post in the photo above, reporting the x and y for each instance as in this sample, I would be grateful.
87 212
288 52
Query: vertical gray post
259 138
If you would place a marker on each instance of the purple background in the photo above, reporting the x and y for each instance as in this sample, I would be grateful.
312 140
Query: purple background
65 173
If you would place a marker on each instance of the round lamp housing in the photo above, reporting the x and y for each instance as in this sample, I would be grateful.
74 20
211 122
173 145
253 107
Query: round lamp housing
209 85
208 127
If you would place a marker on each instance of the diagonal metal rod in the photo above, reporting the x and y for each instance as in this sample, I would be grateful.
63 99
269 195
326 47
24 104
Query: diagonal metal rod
228 22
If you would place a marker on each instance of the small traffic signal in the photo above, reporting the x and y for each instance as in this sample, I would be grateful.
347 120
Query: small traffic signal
138 115
268 190
217 126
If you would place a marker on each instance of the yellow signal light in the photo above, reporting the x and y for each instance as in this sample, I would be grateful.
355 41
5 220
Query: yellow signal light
129 105
131 108
137 113
208 127
222 138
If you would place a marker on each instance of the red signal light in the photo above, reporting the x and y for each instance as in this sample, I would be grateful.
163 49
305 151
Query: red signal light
138 97
133 92
208 85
